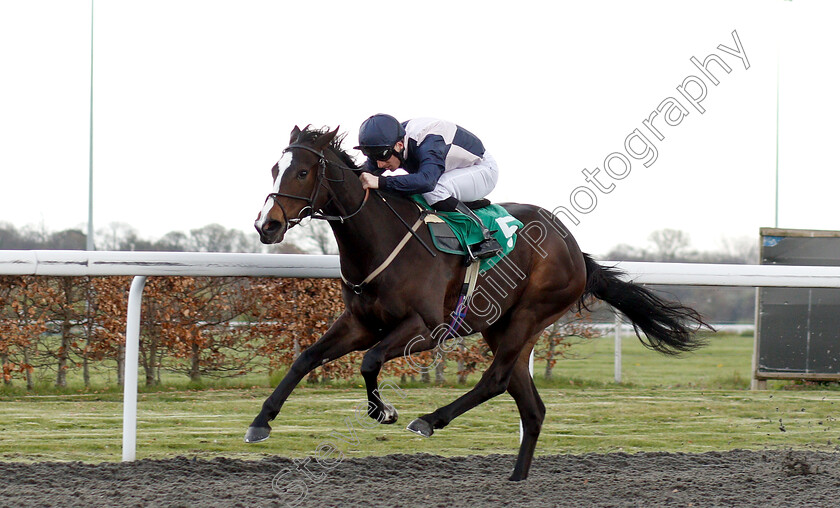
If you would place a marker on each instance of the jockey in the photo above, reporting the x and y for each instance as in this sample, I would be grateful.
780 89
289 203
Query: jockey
446 163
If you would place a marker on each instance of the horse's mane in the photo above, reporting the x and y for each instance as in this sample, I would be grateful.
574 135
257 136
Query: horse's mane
309 134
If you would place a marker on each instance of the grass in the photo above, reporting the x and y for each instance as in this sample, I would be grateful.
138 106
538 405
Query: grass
725 364
692 404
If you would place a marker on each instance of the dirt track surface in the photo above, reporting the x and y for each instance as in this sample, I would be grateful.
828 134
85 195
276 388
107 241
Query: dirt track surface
736 478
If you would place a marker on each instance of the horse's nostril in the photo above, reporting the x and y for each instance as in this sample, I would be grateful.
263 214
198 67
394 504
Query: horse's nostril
271 226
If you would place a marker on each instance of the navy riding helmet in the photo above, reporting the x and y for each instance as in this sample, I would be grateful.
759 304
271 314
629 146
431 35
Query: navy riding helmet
378 135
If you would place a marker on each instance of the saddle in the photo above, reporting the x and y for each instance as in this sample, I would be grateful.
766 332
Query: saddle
452 231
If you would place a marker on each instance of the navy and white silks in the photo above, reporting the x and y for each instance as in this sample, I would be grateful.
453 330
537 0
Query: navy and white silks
442 160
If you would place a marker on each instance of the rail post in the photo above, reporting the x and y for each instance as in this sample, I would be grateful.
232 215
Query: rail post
617 354
132 353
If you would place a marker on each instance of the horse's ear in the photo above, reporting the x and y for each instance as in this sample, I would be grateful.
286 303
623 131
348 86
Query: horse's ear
295 134
325 139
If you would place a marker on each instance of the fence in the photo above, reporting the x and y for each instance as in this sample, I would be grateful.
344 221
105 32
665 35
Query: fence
144 264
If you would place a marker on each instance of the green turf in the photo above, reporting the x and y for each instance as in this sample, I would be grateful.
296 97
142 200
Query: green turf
697 403
724 363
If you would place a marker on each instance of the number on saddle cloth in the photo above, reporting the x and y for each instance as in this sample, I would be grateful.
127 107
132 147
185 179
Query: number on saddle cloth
452 231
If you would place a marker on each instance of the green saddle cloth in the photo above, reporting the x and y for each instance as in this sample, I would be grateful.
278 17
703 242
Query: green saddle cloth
501 224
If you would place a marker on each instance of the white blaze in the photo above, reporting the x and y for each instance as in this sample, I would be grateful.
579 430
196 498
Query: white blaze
283 164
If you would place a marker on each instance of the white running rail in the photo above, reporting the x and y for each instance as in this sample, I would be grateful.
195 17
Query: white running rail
143 264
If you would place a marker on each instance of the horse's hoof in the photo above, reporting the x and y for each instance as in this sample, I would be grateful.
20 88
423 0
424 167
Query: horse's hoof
389 415
257 434
421 426
517 478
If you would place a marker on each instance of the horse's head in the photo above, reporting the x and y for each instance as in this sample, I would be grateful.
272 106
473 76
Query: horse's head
299 184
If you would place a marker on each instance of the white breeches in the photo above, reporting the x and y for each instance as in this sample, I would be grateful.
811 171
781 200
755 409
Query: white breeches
466 184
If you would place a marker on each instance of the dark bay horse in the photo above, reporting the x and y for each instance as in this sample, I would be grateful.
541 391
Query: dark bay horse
405 308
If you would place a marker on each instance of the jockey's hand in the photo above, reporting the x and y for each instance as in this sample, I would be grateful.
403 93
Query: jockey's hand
369 181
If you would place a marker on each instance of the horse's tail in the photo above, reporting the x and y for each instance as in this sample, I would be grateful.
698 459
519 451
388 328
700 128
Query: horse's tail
668 327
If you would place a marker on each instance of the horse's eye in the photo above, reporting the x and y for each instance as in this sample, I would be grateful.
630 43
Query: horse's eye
303 174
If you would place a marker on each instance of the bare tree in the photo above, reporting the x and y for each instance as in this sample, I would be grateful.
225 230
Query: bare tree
174 241
557 338
625 252
669 243
284 248
216 238
115 236
743 249
11 238
316 237
210 238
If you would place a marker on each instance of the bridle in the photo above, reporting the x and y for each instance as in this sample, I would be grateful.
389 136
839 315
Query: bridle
321 178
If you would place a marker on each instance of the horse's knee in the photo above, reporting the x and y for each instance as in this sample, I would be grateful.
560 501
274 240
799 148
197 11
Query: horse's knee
497 380
531 429
541 409
538 408
371 364
534 419
306 361
496 386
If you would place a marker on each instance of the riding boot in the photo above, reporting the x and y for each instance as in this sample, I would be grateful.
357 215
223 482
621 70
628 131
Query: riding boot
486 248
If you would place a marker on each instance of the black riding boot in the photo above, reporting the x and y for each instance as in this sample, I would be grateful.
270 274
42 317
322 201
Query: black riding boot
484 249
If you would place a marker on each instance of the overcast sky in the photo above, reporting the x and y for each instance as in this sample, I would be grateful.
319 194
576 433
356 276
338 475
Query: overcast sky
194 101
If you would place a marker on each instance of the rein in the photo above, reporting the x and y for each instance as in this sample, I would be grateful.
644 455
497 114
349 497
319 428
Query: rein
411 230
323 162
357 288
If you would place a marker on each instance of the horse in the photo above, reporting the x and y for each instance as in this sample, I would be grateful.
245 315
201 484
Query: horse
400 307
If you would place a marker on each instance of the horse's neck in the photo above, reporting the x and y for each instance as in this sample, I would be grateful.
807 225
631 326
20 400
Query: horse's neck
367 238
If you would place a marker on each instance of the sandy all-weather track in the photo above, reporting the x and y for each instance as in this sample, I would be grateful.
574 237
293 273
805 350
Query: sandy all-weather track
736 478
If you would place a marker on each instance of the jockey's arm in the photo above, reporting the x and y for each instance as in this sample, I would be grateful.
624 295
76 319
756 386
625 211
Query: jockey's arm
370 174
431 157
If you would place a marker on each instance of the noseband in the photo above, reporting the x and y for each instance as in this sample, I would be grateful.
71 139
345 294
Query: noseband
310 201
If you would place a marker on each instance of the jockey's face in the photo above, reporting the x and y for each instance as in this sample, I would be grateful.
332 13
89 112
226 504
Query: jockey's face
394 162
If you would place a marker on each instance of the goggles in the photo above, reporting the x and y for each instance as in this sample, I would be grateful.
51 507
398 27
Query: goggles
378 153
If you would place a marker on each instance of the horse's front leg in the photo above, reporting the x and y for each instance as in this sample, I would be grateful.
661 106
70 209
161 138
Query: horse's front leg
344 336
412 334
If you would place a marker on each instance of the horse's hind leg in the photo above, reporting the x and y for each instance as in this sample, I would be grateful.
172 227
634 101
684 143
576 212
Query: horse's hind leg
509 339
344 336
531 412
